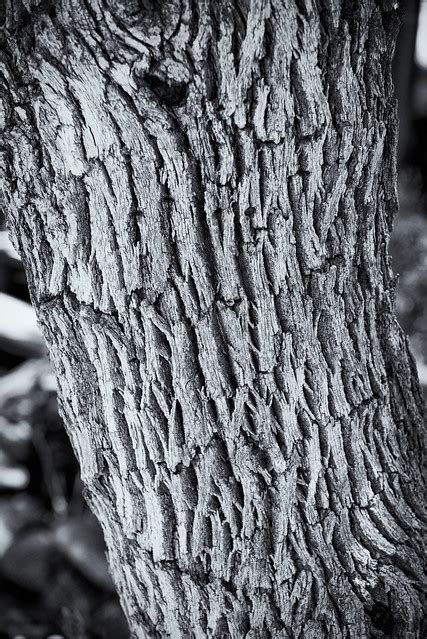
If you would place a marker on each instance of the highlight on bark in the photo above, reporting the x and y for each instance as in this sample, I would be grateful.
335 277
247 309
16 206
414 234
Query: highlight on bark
202 195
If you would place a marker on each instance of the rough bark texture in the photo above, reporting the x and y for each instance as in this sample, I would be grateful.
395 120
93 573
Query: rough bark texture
202 194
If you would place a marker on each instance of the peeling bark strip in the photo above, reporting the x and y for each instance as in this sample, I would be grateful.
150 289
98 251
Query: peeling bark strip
202 194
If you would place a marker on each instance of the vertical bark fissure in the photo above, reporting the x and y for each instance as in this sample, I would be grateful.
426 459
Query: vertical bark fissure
202 196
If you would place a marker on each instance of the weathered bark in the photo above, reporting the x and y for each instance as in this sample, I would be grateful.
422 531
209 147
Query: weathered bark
202 194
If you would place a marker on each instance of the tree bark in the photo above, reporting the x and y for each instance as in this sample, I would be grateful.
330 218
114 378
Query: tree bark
202 195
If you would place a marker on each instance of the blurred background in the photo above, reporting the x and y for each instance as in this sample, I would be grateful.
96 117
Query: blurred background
54 580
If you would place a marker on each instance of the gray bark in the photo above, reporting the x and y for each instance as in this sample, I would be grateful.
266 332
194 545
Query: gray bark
202 195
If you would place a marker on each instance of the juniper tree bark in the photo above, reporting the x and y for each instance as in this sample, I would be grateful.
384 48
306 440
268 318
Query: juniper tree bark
202 195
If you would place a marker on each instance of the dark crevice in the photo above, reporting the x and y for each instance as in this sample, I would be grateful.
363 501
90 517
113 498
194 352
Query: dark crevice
382 619
171 94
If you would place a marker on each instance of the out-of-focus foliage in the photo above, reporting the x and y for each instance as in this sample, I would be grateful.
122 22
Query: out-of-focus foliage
409 254
54 578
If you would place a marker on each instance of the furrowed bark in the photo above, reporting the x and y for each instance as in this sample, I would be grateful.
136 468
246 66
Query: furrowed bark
202 195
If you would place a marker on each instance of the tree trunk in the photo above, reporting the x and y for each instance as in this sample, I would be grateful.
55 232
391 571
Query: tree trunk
202 195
